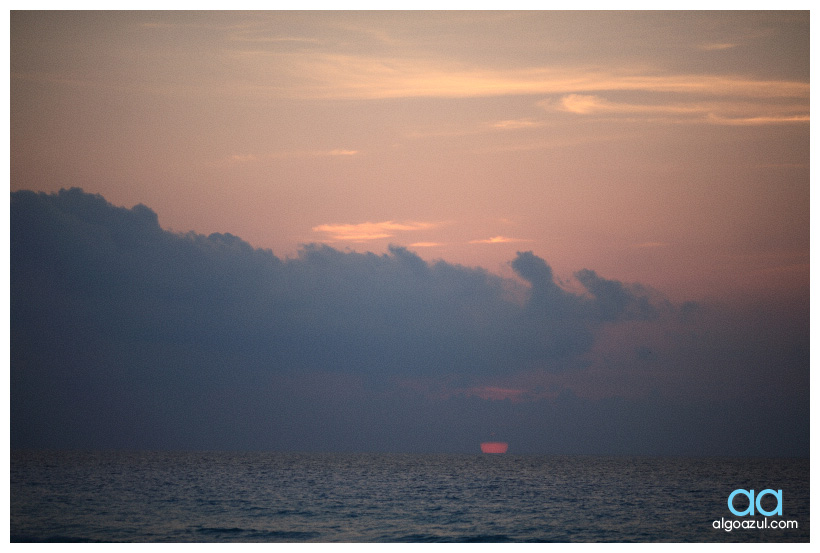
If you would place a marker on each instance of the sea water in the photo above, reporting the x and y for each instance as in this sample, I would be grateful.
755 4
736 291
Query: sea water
292 497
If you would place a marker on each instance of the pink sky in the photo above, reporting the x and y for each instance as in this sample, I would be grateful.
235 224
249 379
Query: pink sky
666 148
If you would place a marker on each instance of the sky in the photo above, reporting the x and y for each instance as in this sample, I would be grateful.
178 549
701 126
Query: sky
586 231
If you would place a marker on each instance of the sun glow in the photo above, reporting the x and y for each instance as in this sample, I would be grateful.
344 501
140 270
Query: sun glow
494 447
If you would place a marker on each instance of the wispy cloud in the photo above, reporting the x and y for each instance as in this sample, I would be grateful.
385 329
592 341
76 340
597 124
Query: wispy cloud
703 98
758 120
284 154
426 244
312 153
515 124
726 112
334 75
717 46
361 232
256 38
263 74
499 240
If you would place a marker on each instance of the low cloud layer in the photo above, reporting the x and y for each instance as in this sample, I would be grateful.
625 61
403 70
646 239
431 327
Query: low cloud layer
127 335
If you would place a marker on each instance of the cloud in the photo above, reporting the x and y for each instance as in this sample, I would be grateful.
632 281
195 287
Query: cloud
515 124
312 153
426 244
333 75
614 300
759 120
245 37
582 103
125 335
714 112
498 240
235 159
712 46
361 232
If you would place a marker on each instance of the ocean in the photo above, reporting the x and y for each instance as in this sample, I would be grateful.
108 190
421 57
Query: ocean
119 496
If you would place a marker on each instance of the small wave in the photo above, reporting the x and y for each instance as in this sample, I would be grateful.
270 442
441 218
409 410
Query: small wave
417 538
254 535
220 530
486 538
57 538
284 535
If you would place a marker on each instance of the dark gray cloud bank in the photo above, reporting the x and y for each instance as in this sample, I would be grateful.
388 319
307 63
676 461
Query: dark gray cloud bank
124 335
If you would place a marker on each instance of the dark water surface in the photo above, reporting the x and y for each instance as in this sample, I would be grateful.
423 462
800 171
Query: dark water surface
284 497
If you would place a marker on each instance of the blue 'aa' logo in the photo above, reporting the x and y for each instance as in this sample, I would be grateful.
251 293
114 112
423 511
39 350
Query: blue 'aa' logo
750 510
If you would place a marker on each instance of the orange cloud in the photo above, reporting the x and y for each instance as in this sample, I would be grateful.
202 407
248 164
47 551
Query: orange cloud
517 124
426 244
716 112
314 153
498 240
759 120
249 158
329 75
361 232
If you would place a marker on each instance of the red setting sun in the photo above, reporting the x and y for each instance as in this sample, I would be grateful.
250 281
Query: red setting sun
494 447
